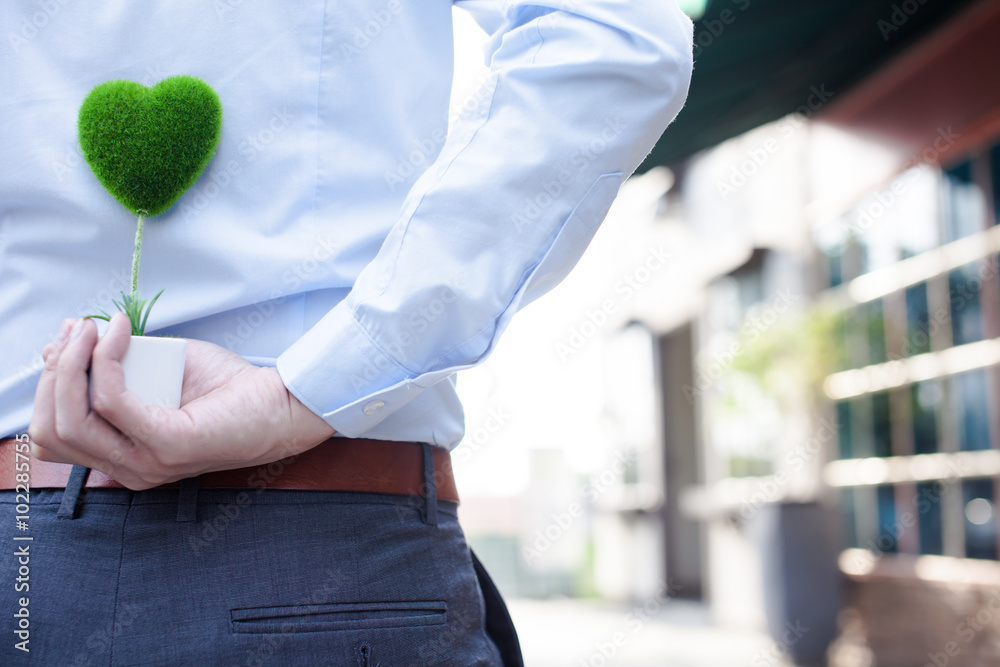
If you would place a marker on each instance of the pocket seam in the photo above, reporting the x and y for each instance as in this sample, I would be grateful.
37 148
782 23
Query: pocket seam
284 619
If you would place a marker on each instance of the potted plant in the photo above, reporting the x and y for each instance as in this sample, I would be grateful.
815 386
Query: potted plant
147 146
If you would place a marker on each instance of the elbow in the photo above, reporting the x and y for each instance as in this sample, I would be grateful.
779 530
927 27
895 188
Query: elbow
668 39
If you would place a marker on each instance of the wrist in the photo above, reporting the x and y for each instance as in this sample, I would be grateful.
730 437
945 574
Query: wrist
306 429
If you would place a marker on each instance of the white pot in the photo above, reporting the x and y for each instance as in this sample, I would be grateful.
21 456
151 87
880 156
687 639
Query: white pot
154 369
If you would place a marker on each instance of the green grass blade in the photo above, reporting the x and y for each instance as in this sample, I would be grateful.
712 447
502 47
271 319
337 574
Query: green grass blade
149 308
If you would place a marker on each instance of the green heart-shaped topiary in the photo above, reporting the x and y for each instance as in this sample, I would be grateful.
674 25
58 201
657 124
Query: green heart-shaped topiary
148 145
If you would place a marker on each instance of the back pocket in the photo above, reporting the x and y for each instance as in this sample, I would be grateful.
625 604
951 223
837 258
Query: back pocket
338 616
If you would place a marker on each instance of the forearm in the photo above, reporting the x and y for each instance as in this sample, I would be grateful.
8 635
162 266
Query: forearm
576 98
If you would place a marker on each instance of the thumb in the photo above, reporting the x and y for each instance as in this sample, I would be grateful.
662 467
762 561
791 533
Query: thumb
111 400
114 343
106 375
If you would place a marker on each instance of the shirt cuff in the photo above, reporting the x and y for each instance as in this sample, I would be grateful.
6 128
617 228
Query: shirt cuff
334 367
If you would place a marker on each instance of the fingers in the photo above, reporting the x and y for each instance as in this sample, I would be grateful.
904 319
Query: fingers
121 408
115 467
46 443
107 376
75 421
66 427
71 382
40 452
63 427
75 457
42 428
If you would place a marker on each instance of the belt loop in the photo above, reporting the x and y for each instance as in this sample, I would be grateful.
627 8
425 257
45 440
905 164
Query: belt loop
430 486
187 500
71 494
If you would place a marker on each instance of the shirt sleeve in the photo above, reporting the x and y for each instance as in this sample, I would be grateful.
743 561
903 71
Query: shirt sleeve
578 92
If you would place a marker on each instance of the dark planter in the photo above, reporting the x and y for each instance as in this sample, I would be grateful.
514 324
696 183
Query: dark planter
799 544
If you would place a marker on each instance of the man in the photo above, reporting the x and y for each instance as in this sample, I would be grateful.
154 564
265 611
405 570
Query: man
343 256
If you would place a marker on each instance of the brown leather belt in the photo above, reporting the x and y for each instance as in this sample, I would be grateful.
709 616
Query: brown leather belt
337 464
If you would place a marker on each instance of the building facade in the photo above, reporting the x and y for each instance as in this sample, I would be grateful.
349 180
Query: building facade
845 358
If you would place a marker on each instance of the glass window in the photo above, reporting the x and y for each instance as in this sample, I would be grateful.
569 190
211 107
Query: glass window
968 393
929 517
966 315
874 324
831 241
844 429
750 285
881 424
834 267
843 336
854 258
964 203
980 518
887 520
925 397
880 248
847 499
861 336
918 339
915 212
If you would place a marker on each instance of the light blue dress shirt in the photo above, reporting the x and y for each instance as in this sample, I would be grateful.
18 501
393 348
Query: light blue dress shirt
340 232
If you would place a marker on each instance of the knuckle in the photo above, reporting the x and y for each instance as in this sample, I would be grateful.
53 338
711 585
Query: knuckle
150 479
116 458
100 354
48 351
137 484
65 429
39 452
104 468
165 459
100 401
36 434
51 359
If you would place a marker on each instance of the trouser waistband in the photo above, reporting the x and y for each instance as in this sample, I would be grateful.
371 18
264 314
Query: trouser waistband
337 464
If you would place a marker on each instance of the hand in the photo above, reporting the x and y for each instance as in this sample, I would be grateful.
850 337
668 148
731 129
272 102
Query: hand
232 414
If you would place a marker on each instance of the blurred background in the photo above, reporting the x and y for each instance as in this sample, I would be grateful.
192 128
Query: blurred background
759 423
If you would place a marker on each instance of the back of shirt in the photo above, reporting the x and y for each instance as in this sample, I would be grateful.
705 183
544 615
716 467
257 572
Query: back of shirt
324 117
340 232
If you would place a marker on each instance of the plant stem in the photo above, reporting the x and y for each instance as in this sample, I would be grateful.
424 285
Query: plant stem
135 256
